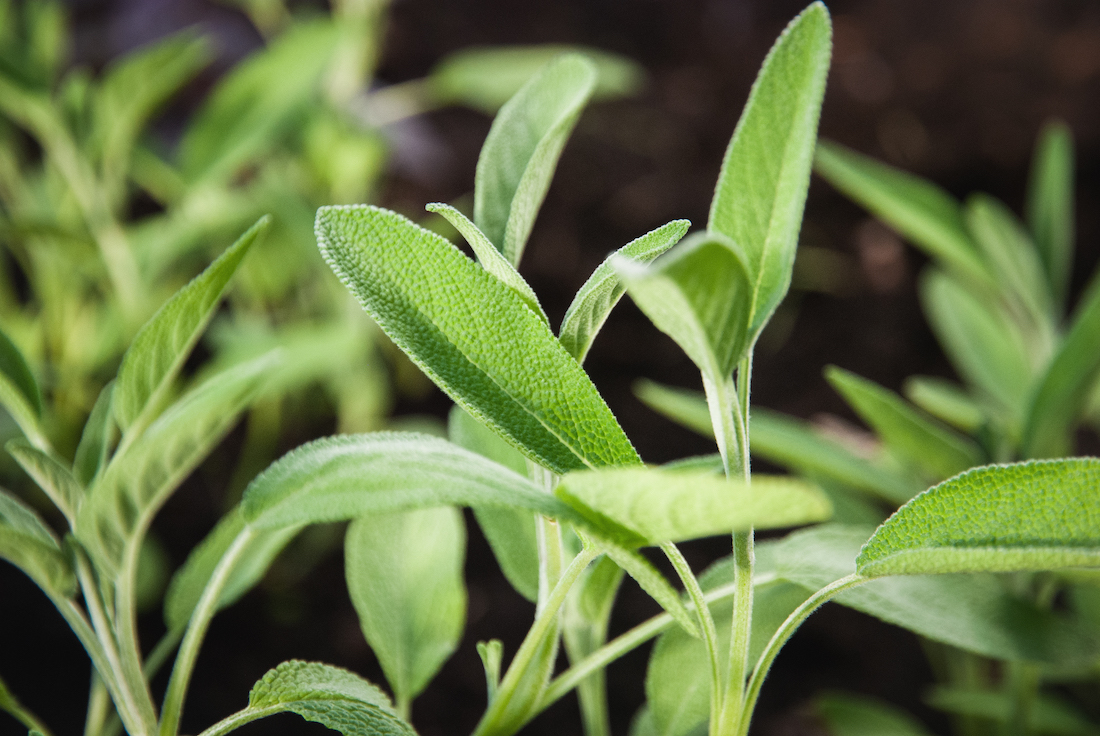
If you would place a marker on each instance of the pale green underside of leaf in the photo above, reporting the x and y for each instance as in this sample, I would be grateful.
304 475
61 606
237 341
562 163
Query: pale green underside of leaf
761 191
1036 515
602 291
51 475
661 505
521 151
474 337
159 350
13 366
27 543
1050 205
1047 715
847 714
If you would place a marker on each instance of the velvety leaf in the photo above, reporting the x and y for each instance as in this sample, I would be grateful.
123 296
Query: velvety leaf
660 505
1036 515
761 191
1048 714
474 336
404 574
700 295
27 543
976 613
847 714
1050 205
50 473
922 441
946 401
96 439
602 291
521 151
922 212
159 350
13 367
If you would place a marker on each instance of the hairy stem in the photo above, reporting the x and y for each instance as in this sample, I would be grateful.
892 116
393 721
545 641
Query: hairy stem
733 700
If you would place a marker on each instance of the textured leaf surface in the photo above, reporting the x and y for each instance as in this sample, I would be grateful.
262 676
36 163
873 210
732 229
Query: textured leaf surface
159 350
761 189
521 151
660 505
847 714
51 475
1050 205
474 337
404 574
603 289
1036 515
27 543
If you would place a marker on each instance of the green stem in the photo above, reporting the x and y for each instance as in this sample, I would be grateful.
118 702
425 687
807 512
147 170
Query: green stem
207 606
724 409
99 707
125 625
733 700
241 718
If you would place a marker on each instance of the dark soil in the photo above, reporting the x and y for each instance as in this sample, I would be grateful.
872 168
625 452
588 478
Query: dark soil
952 90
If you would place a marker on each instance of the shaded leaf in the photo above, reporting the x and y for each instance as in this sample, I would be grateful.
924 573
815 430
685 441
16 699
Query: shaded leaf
1048 714
946 401
1050 205
51 475
27 543
96 439
13 366
848 714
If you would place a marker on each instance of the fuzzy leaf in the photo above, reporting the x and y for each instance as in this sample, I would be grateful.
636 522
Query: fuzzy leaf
27 543
51 475
1037 515
1050 205
761 191
474 336
521 151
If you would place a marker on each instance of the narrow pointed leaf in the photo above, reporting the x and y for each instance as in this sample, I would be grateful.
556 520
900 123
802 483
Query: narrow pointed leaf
22 411
159 350
1050 205
96 439
947 401
654 583
491 259
923 213
404 574
761 191
660 505
13 366
925 443
1047 715
521 151
27 543
51 475
1037 515
473 336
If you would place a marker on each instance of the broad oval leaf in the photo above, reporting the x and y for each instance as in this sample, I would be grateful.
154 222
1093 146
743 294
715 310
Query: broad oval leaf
603 289
27 543
474 336
521 151
1036 515
659 505
51 475
761 189
404 575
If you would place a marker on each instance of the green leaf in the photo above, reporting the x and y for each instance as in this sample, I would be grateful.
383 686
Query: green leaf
188 583
700 295
847 714
521 151
685 407
160 348
510 532
659 505
654 583
922 441
13 367
11 705
1037 515
96 439
119 507
1061 396
1050 205
976 613
486 77
404 573
761 191
918 209
474 337
323 694
602 291
946 401
491 259
27 543
51 475
1048 714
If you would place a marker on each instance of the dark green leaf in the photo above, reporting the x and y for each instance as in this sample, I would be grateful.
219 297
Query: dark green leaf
1048 714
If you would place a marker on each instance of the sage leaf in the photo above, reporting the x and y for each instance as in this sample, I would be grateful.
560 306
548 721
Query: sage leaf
160 348
13 367
1036 515
937 450
1050 205
603 289
522 149
659 505
1048 714
947 401
474 336
923 213
585 619
404 574
27 543
95 440
654 583
51 475
761 191
847 714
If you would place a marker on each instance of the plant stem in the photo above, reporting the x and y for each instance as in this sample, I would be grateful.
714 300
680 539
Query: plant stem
724 408
125 625
733 701
241 717
99 707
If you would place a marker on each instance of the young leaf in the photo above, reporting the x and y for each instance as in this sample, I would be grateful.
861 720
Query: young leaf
1048 714
96 439
922 212
404 574
13 367
846 714
159 350
939 451
1037 515
474 337
700 295
51 475
761 190
1050 205
491 259
27 543
323 694
522 149
602 291
659 505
